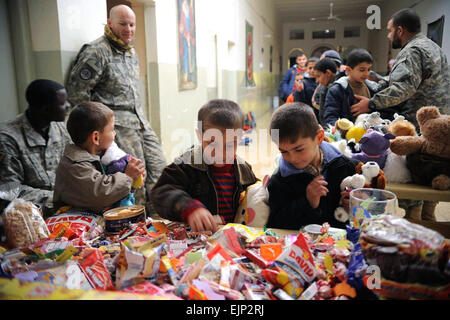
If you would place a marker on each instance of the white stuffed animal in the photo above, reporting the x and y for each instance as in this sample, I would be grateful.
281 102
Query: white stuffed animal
353 182
395 169
253 209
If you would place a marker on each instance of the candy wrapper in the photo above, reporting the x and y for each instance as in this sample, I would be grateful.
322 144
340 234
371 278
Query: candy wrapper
250 234
149 288
136 265
77 221
23 224
94 268
68 275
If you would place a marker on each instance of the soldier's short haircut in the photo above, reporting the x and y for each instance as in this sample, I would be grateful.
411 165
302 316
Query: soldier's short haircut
358 56
325 64
222 113
408 19
86 118
293 121
42 92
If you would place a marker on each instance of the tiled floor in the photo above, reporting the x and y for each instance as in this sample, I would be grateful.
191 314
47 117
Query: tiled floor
262 152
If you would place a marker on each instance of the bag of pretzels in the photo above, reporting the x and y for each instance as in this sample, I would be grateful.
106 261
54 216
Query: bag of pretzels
23 224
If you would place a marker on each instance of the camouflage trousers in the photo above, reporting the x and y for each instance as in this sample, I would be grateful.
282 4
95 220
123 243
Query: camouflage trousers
144 145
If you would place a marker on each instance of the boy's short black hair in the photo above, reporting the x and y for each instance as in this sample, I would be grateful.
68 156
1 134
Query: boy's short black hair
358 56
42 92
408 19
222 113
326 64
312 59
86 118
300 54
293 121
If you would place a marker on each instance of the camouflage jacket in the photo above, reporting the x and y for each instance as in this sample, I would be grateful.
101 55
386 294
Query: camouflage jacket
419 77
28 163
103 73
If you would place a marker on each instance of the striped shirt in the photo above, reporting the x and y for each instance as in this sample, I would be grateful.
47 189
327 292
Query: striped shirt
224 182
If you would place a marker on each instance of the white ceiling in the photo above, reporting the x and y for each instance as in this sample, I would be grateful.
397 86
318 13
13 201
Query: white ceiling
303 10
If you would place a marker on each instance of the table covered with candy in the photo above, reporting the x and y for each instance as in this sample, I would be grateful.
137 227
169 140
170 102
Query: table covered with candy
71 256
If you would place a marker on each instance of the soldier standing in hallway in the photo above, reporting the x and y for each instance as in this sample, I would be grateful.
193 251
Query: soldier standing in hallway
107 70
419 77
32 144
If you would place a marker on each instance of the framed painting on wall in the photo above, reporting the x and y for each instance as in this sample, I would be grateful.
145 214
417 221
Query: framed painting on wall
249 76
187 55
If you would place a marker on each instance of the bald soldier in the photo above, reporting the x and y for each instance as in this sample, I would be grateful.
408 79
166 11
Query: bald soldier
107 70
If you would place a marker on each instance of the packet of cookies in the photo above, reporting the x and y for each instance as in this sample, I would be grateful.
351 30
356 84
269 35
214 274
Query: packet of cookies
24 224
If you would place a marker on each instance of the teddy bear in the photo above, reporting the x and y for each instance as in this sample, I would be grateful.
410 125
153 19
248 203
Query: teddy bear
254 209
116 160
348 184
428 155
374 146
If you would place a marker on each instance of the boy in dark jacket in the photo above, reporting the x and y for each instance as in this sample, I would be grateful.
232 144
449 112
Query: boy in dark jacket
325 71
340 97
305 189
307 86
202 187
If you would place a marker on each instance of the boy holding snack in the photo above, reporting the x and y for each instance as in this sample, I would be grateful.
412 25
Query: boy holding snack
202 187
81 181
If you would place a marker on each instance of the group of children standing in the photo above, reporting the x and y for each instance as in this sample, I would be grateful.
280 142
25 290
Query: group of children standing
329 91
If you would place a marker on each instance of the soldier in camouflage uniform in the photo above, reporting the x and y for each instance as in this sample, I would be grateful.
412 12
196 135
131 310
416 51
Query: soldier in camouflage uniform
32 144
420 75
107 70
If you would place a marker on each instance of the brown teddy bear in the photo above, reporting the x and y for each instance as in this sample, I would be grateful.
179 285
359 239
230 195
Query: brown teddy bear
428 155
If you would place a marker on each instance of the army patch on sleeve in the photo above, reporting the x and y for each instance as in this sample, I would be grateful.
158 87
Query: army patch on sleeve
85 74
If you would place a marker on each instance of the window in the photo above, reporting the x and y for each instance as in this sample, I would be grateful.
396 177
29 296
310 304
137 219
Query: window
352 32
323 34
297 34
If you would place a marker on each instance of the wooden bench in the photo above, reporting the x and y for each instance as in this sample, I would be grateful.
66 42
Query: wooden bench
417 192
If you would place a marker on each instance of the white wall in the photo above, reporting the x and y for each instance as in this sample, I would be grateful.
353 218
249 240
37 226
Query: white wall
8 92
428 10
225 22
308 44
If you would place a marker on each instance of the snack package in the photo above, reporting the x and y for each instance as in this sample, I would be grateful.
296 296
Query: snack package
78 221
404 251
294 269
68 275
95 269
23 224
